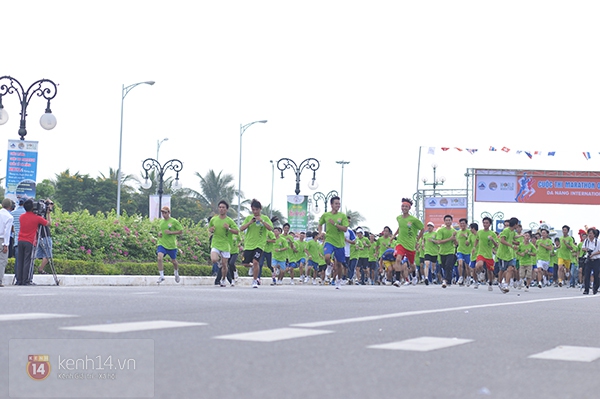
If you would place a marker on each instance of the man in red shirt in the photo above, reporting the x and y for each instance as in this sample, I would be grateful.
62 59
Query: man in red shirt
27 234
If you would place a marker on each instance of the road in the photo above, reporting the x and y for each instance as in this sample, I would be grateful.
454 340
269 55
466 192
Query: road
301 342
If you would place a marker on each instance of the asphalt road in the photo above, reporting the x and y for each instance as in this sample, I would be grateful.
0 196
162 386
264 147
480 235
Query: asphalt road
303 342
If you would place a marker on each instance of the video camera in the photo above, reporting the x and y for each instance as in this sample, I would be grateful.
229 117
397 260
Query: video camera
41 207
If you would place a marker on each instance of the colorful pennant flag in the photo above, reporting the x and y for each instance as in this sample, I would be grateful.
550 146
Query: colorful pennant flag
551 153
459 149
431 150
471 150
445 148
492 148
505 149
587 155
528 154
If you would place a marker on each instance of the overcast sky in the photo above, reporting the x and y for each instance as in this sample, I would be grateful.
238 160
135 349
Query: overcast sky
367 82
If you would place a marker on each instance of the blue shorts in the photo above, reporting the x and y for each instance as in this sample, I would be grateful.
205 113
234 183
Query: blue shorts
464 257
504 264
280 263
44 248
301 262
171 252
292 265
312 263
338 253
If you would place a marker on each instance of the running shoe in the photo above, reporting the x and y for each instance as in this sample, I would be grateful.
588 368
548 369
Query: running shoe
160 280
254 284
177 279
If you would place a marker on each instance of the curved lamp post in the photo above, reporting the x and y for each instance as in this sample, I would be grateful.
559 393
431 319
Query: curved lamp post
158 144
42 88
319 196
436 181
124 92
242 130
310 163
174 164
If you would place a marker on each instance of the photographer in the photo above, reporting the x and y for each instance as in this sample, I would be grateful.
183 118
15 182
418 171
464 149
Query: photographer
29 222
592 262
44 249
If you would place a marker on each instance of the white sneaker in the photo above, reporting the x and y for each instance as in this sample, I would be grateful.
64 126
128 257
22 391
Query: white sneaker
177 279
254 284
444 284
223 283
396 283
249 271
460 280
292 282
328 271
160 280
232 283
235 275
490 288
338 284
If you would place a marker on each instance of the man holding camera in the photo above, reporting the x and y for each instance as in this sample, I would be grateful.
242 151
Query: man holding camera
29 222
44 248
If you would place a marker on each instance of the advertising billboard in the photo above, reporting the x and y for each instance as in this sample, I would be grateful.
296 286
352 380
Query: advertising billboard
537 186
437 207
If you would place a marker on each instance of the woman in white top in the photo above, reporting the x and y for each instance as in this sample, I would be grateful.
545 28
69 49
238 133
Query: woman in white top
592 264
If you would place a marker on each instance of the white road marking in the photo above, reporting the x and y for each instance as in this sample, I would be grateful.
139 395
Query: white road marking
569 353
36 294
277 334
32 316
133 326
430 311
422 344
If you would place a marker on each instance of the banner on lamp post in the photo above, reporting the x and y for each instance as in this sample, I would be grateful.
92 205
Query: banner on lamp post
154 210
21 169
297 212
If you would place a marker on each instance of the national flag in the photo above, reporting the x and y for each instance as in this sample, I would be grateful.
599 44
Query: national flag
505 149
528 154
445 148
471 150
459 149
492 148
431 150
587 155
537 153
551 153
519 151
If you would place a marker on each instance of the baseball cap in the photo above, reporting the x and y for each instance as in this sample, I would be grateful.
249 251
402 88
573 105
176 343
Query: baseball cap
430 224
165 209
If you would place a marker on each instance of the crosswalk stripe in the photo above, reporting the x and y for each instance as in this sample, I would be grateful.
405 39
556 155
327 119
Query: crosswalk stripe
422 344
277 334
133 326
32 316
569 353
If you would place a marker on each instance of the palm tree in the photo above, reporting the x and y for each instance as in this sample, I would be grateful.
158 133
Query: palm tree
214 188
356 218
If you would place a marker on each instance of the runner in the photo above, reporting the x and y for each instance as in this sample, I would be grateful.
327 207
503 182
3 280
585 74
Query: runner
506 255
255 241
465 241
222 227
336 224
544 250
526 256
445 238
410 229
431 250
485 244
564 254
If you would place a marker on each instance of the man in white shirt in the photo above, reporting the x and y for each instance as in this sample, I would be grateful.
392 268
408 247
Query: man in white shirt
6 224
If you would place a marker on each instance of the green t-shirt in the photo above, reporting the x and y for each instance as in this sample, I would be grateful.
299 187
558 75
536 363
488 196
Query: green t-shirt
408 230
485 246
222 237
362 247
298 252
280 248
333 235
564 252
235 244
256 233
465 241
506 252
269 245
526 254
383 244
543 253
373 253
169 241
431 248
315 250
443 233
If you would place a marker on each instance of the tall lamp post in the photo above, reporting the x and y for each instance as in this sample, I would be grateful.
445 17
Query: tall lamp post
272 186
319 196
42 88
124 92
436 181
342 186
174 164
310 163
158 144
242 130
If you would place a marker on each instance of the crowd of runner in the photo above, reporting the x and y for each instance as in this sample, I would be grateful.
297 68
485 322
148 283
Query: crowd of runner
463 254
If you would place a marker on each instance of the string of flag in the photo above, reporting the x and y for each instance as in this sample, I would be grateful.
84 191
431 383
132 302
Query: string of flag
530 154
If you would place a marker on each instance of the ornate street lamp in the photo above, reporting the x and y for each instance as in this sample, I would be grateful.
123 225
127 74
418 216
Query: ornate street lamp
310 163
42 88
436 181
319 196
174 164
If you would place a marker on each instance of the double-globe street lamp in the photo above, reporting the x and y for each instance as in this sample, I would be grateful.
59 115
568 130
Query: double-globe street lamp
319 196
42 88
174 164
242 130
310 163
124 92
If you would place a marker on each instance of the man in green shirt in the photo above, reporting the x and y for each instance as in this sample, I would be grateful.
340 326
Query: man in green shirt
564 253
506 254
445 237
526 254
410 230
169 229
257 226
485 244
222 227
544 251
336 224
465 240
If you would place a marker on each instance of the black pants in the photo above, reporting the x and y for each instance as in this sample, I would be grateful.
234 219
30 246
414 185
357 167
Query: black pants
230 269
592 265
448 264
23 268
